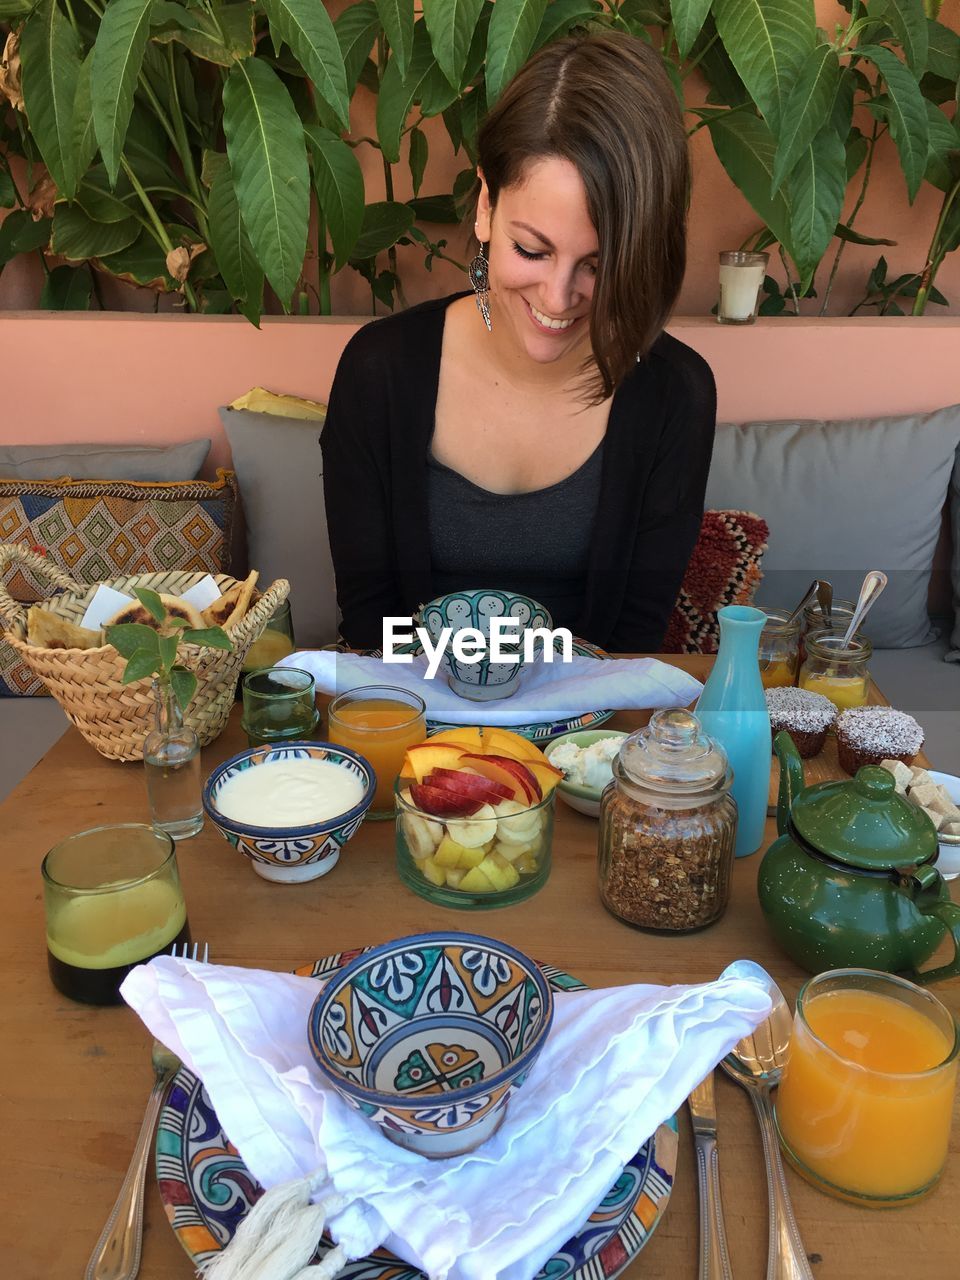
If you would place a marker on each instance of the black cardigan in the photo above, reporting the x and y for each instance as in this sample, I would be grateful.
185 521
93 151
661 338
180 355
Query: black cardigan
375 445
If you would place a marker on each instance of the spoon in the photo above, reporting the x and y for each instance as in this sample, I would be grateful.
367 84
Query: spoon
873 584
757 1064
809 596
825 601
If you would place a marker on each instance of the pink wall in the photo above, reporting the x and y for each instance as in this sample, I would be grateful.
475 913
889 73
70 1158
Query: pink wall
106 376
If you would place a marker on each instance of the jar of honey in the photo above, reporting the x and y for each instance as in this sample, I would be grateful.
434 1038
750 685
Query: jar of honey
836 670
779 649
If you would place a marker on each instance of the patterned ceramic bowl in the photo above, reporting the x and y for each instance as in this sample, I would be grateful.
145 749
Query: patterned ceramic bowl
291 854
483 680
428 1036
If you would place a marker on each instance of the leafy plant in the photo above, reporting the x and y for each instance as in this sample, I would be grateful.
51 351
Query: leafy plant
152 654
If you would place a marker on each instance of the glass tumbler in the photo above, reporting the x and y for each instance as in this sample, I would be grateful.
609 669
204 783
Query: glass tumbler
741 275
865 1104
276 641
112 900
379 721
279 705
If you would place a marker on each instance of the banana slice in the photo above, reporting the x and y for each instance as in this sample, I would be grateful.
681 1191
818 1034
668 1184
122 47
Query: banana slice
515 823
474 831
423 836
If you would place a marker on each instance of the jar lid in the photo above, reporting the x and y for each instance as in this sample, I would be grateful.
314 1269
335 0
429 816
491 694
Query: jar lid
673 755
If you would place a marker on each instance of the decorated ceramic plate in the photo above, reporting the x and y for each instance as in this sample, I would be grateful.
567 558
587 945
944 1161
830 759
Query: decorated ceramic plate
206 1189
538 730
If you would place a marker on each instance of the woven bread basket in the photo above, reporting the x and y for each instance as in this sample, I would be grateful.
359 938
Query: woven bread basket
112 716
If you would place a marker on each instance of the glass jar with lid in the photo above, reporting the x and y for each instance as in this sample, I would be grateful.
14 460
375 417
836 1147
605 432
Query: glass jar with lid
668 826
779 649
839 671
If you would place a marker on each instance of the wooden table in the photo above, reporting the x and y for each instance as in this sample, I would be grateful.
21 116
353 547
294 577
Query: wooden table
75 1079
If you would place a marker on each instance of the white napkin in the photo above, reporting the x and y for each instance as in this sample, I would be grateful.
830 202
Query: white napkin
616 1064
548 690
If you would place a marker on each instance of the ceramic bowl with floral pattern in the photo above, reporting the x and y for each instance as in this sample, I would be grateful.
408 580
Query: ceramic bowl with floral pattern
482 680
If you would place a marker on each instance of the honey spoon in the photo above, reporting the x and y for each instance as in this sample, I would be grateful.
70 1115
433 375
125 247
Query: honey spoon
873 584
757 1063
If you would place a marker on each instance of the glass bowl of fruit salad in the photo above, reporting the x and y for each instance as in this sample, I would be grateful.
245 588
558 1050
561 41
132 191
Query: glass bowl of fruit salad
475 812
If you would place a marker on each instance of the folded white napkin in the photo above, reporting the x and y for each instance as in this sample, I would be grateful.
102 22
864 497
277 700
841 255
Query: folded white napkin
548 690
616 1064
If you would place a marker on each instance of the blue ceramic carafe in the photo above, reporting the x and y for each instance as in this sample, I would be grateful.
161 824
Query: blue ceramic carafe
733 710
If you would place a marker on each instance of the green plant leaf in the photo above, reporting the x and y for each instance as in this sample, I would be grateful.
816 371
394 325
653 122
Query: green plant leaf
117 59
67 289
16 9
223 41
383 224
856 148
908 22
943 148
436 92
152 603
143 263
943 51
817 187
307 29
396 18
356 30
141 665
513 28
688 19
99 203
50 58
20 234
398 93
85 143
167 647
451 24
268 160
129 638
562 17
8 192
440 209
906 112
472 110
768 42
78 238
231 245
746 149
338 182
419 152
208 637
184 685
843 232
841 112
454 124
807 106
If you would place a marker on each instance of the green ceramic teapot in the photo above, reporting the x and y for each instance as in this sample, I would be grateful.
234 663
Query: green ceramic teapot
851 881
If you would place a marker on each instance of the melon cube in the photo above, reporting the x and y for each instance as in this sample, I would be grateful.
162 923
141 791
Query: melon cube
450 854
474 881
436 875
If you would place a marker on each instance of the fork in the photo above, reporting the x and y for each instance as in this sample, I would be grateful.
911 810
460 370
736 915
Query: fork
117 1252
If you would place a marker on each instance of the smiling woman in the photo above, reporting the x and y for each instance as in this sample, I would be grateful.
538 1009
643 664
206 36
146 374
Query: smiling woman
551 439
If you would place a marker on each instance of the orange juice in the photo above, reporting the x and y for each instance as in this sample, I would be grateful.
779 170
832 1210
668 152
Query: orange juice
843 691
380 723
866 1101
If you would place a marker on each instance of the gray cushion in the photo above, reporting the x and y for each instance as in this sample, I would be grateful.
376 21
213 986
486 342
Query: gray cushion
160 464
841 498
279 469
920 682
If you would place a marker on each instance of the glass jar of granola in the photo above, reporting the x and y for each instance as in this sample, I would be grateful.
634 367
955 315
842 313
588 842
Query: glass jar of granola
667 828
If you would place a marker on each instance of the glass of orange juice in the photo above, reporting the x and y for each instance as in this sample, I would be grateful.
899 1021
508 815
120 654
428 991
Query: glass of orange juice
866 1100
380 721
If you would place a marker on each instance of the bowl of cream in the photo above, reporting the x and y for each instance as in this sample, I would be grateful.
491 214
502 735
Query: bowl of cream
586 759
292 807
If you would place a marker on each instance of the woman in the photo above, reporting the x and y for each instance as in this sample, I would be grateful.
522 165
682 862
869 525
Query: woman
546 436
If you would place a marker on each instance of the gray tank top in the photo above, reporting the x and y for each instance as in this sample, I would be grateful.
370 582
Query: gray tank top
537 543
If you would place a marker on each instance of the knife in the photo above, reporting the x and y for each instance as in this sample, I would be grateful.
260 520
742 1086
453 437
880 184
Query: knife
714 1258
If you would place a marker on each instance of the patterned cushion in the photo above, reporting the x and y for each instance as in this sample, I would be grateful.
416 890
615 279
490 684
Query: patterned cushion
96 530
724 569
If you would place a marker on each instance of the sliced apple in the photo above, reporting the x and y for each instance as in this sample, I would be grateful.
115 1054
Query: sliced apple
523 783
442 804
466 736
470 784
545 773
427 756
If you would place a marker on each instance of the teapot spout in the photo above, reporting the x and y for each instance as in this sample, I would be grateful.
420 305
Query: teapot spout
791 777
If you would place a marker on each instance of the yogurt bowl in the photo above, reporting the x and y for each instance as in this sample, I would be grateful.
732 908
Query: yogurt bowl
483 680
586 762
290 808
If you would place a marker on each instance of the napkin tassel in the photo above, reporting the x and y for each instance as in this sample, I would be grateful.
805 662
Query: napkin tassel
279 1236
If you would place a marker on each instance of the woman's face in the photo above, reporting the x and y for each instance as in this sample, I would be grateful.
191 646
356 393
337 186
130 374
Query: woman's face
542 249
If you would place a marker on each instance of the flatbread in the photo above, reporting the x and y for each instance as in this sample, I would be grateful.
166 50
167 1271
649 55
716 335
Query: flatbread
175 606
47 630
228 610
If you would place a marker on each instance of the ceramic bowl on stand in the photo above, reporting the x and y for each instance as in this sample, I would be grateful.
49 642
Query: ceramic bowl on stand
483 680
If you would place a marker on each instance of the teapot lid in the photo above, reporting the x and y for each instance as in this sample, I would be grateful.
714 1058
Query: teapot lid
673 755
864 822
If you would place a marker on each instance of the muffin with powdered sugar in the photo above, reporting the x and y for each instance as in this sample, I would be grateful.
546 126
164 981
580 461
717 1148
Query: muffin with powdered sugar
806 716
868 735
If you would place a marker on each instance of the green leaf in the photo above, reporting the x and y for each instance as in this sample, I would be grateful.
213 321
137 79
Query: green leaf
306 27
85 143
268 160
140 665
167 646
943 146
419 151
152 603
8 192
454 124
907 114
398 93
222 42
208 637
807 107
16 9
513 28
50 57
451 24
67 289
383 225
856 149
356 29
100 204
230 243
143 263
841 112
20 234
184 685
843 232
746 149
908 22
817 187
338 182
440 208
943 51
117 59
129 638
688 19
436 92
396 18
472 110
768 42
78 238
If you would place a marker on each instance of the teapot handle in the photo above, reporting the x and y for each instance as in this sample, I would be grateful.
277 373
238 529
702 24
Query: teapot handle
949 914
791 777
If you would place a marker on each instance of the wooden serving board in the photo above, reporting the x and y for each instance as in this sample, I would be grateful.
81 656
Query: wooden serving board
824 767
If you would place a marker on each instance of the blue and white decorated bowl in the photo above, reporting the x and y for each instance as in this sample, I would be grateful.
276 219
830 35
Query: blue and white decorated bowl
428 1036
291 854
482 680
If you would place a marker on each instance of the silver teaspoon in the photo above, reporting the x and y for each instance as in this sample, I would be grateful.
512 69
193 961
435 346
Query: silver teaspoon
873 584
757 1064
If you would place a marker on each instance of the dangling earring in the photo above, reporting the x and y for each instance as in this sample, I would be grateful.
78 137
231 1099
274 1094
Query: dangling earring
480 280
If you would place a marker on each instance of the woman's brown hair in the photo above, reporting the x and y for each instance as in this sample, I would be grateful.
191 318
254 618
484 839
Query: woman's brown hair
604 103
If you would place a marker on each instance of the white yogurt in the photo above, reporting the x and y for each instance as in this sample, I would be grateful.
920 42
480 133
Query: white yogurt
289 793
587 766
